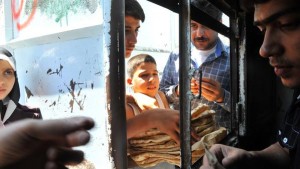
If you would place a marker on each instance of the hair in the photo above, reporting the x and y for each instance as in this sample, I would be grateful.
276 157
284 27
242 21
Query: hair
208 8
134 9
248 5
134 62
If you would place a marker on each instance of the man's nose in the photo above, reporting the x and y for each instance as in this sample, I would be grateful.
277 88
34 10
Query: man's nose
271 45
133 38
200 31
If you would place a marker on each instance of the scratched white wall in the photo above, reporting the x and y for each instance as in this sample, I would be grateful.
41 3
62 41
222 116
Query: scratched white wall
65 79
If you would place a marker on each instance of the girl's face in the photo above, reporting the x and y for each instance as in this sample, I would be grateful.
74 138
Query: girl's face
145 79
7 79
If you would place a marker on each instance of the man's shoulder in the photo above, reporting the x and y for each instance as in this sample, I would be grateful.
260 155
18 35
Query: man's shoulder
223 47
175 52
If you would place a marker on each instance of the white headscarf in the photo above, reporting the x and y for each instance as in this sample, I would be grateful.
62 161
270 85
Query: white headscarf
13 97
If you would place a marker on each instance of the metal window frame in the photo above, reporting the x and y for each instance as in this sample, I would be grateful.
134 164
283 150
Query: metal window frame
117 78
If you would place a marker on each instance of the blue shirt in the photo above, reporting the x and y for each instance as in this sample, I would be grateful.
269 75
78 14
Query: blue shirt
216 67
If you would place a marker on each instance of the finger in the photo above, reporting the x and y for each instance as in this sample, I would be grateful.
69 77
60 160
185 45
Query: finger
64 155
175 137
77 138
59 128
208 80
208 86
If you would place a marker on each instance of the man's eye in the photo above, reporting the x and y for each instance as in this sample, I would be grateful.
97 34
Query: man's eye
290 26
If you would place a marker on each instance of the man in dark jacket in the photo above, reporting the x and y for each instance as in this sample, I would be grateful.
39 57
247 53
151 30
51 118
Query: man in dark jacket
279 21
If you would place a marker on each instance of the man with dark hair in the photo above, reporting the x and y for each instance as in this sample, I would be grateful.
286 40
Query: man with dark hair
210 55
133 15
279 21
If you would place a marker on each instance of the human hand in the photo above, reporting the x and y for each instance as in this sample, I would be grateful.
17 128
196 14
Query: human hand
212 90
144 102
194 86
227 156
37 144
167 121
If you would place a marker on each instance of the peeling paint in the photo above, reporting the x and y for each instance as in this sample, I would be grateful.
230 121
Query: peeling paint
74 99
28 92
57 71
53 104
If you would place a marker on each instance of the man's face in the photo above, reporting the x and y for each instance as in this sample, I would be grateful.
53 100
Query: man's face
132 26
279 20
202 37
145 79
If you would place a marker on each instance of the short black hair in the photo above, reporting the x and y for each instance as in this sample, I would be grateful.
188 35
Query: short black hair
136 61
208 8
134 9
248 5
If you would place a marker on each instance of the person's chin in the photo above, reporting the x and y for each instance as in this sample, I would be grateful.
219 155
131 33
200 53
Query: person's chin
290 82
201 46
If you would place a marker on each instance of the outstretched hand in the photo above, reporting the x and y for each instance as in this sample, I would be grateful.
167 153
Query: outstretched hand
211 90
227 156
37 144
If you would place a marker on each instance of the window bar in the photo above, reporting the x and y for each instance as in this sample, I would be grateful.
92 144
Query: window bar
117 83
224 7
234 44
205 19
184 81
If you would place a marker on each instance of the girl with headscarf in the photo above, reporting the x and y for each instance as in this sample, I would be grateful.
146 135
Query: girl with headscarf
10 108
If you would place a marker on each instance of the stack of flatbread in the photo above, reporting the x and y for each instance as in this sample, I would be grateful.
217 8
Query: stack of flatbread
153 146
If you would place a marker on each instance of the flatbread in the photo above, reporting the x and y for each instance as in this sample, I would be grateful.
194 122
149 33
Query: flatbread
206 131
151 139
198 110
167 145
151 132
201 128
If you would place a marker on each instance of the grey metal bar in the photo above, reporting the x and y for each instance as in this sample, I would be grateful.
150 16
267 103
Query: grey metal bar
207 20
184 83
224 7
196 15
233 21
117 83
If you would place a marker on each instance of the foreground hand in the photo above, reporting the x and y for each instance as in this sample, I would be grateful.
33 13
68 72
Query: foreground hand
38 144
227 156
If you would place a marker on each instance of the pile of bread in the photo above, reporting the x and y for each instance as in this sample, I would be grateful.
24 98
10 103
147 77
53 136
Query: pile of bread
153 147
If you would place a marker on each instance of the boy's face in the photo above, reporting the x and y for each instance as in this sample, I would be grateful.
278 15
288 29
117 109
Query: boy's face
202 37
145 79
132 26
7 78
279 20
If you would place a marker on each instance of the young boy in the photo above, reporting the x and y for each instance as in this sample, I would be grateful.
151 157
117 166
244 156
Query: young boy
144 80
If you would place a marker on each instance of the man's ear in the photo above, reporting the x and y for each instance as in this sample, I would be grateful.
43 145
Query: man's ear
129 81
